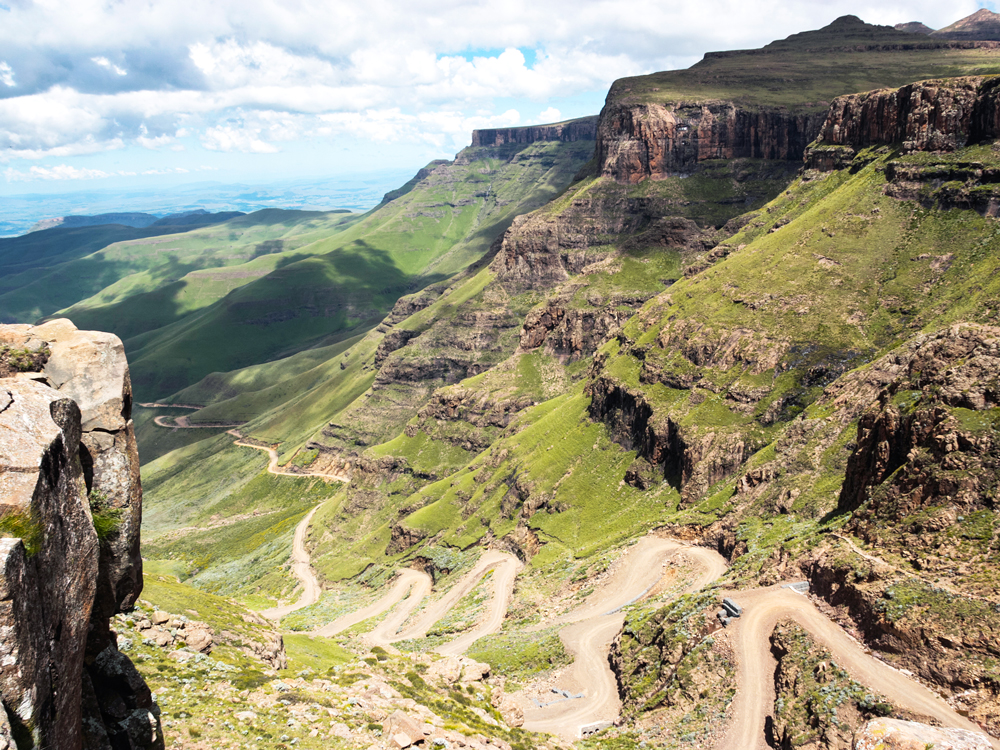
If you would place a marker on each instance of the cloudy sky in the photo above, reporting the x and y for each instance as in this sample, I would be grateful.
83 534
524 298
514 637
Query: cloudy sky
146 92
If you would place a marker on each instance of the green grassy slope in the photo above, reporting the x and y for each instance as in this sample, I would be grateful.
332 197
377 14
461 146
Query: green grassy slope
146 285
345 283
32 282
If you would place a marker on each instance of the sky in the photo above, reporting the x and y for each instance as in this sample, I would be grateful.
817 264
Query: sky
133 94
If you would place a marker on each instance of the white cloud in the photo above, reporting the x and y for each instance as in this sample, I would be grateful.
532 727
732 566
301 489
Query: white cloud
549 115
58 172
232 138
108 65
246 76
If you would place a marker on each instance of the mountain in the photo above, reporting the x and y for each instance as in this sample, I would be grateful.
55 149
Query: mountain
740 347
913 27
982 25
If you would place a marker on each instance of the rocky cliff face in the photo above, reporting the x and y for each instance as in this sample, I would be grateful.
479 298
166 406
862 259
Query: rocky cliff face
639 141
71 509
584 129
925 116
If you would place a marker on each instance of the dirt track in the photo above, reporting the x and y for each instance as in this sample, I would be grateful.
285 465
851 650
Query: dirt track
502 585
273 468
594 626
415 582
184 423
505 568
750 635
302 570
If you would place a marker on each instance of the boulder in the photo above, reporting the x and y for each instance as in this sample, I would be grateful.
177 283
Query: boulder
199 639
447 670
895 734
399 724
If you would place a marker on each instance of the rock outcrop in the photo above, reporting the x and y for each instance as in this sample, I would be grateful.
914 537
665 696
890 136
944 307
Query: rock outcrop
939 115
584 129
895 734
71 508
640 141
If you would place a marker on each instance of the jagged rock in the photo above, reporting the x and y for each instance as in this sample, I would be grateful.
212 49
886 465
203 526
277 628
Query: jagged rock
924 116
160 618
403 538
895 734
67 446
447 670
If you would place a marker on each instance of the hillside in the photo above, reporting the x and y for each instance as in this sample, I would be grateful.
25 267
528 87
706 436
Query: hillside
981 25
753 344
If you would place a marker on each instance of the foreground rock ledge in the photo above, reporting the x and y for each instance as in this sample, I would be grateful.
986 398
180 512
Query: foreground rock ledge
895 734
68 453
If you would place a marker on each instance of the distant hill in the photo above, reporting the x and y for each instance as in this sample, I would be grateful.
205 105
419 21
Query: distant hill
981 26
913 27
135 220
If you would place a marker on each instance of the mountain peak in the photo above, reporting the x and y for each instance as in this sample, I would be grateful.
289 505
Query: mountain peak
983 25
913 27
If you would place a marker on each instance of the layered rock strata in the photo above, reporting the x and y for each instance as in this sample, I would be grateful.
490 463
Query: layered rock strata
584 129
70 509
640 141
926 116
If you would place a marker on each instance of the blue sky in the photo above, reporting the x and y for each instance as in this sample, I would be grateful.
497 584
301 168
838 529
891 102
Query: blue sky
161 92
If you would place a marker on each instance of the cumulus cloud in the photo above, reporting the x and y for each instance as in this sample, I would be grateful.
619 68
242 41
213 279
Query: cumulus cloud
236 138
246 76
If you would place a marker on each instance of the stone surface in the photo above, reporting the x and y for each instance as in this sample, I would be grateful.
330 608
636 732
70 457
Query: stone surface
895 734
640 141
924 116
67 445
584 129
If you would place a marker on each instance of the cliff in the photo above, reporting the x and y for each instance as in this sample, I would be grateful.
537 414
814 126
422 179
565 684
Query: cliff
71 509
938 115
583 129
636 141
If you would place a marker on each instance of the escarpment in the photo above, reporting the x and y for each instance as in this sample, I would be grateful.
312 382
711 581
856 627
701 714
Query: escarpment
937 115
72 505
583 129
640 141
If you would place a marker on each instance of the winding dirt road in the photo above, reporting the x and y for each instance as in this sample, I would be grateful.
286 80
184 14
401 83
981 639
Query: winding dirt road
749 636
593 627
410 588
502 585
505 568
273 468
302 570
184 423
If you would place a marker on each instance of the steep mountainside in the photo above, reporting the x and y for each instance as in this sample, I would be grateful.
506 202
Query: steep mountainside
781 349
